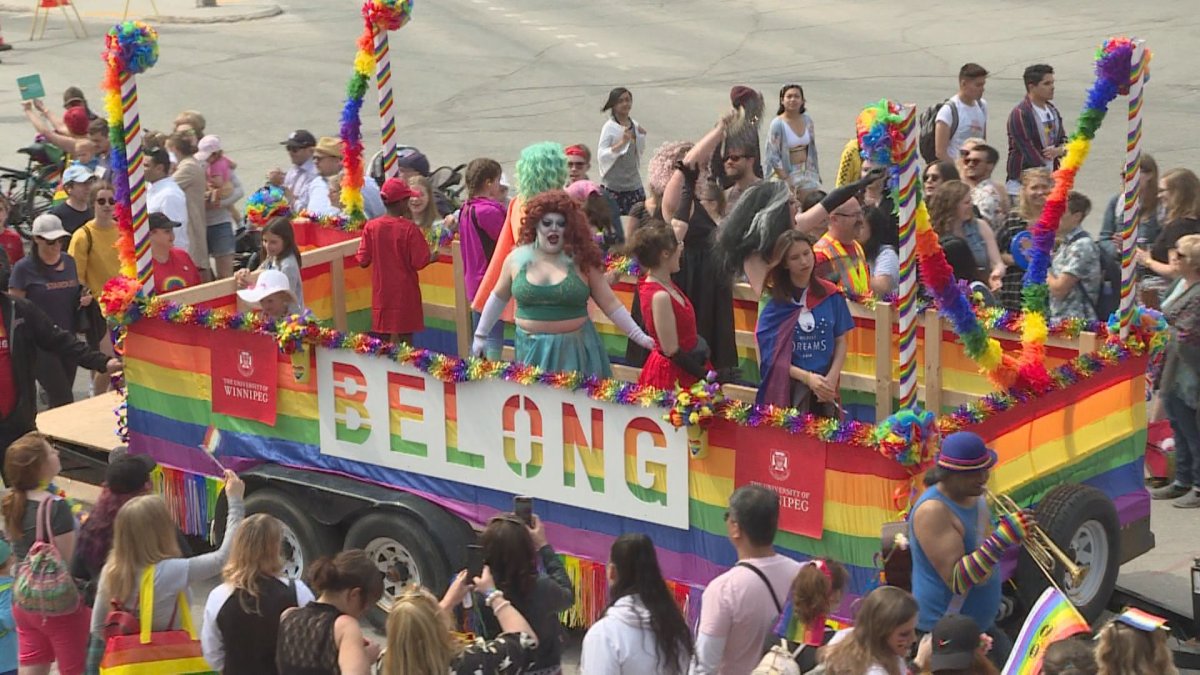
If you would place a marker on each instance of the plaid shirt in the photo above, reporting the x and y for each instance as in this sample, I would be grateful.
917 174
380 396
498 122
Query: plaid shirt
1010 289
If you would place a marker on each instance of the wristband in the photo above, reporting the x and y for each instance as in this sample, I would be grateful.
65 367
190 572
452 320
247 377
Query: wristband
492 595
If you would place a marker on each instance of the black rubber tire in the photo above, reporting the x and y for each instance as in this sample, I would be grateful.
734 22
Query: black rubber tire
1060 514
316 540
421 545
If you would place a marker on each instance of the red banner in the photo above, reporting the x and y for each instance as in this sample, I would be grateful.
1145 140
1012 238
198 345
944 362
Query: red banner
794 467
244 376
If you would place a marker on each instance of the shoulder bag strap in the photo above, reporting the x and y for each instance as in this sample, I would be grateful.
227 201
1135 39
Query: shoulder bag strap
765 580
42 518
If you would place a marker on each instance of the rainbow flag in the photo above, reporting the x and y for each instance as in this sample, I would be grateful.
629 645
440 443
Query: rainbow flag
1052 618
1143 621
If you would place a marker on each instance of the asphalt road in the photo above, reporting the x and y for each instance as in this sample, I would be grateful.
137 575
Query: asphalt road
487 77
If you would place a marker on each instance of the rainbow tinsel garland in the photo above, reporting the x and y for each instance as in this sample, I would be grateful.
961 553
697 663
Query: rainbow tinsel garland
130 48
695 405
1113 67
898 438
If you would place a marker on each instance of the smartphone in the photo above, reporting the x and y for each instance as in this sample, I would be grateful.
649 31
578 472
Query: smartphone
474 561
523 508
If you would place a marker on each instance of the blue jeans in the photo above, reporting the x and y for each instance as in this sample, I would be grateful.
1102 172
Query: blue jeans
1187 440
495 339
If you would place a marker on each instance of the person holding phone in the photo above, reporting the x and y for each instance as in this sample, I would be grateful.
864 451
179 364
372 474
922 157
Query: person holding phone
622 142
512 551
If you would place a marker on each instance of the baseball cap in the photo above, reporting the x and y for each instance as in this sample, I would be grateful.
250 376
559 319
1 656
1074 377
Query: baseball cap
300 138
580 190
328 146
955 641
77 173
965 451
413 160
395 190
129 474
269 282
49 226
76 120
73 95
160 221
208 145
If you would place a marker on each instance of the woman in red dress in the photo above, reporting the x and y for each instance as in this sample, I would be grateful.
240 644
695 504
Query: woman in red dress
680 357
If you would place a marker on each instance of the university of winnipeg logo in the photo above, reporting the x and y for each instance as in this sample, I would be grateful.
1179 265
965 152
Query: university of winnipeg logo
779 465
245 363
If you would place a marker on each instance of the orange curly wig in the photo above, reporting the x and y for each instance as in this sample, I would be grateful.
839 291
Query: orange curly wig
578 242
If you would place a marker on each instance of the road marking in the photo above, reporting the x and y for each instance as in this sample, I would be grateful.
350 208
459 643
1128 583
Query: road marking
565 36
582 45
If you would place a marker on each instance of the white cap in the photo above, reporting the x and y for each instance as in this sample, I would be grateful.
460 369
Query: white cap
208 145
49 226
504 180
269 282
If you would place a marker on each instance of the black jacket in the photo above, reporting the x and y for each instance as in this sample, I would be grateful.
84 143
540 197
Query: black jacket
28 328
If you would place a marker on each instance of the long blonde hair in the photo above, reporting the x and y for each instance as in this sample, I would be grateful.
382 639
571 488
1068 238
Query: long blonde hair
883 611
256 552
425 220
1122 650
1183 194
1025 208
143 535
418 637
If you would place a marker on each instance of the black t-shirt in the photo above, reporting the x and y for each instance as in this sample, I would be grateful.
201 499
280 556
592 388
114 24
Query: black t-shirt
61 522
1171 233
71 219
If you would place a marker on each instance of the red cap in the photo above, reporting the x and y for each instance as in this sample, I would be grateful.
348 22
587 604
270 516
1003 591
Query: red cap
76 120
395 190
576 151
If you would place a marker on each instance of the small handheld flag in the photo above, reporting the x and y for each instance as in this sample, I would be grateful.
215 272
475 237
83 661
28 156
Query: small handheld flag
1052 618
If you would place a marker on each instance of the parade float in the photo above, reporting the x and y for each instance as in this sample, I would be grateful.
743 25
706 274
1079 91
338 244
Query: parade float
406 451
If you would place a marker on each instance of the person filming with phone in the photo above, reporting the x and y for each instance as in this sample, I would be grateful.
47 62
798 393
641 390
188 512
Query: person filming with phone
512 548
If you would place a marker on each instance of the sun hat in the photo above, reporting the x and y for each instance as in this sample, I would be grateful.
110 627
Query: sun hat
328 146
965 451
269 282
49 226
208 145
955 641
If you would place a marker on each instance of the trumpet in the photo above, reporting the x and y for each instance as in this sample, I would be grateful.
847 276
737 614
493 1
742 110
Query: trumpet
1040 546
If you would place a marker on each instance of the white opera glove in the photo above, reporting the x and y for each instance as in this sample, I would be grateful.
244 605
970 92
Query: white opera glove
492 310
621 319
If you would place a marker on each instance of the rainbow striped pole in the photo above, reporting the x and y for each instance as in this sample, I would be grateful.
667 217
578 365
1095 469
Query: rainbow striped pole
387 108
907 198
135 171
1132 185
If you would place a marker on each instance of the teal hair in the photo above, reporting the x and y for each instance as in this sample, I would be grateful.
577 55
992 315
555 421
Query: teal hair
542 167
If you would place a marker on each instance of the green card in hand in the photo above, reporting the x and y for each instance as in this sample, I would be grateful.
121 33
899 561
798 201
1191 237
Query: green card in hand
31 87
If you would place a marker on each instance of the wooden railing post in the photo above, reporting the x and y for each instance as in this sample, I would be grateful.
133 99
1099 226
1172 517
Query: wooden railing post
933 361
462 304
337 273
883 361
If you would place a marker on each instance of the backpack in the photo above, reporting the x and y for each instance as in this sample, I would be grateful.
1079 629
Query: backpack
927 128
44 584
1110 285
779 660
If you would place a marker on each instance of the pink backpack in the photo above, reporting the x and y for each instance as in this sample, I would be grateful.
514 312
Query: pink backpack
44 584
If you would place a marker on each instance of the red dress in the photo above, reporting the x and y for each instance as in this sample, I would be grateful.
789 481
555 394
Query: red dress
659 370
395 250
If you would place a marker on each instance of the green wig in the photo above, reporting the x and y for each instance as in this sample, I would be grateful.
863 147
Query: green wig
542 167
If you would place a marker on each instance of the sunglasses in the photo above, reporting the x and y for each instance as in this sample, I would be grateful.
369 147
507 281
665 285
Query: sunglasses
734 158
971 161
44 240
111 201
576 164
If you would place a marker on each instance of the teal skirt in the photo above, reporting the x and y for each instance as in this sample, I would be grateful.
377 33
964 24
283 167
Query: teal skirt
578 351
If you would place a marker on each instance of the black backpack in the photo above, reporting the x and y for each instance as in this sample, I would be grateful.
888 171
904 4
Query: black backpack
927 127
1110 284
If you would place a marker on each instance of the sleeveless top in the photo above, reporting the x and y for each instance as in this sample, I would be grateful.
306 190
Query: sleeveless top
306 645
975 242
247 626
931 592
552 302
685 314
795 141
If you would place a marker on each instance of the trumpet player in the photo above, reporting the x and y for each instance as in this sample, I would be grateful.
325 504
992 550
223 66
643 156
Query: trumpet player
956 550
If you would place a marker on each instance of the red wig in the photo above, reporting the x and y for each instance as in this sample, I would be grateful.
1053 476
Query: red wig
578 241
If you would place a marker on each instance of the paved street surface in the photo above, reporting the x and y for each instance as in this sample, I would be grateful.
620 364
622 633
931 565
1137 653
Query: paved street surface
487 77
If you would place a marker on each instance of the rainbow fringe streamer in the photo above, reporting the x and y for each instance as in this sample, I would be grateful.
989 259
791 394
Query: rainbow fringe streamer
191 498
1113 67
130 48
378 15
590 580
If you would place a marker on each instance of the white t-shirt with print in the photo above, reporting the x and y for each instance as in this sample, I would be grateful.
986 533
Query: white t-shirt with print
1046 122
972 123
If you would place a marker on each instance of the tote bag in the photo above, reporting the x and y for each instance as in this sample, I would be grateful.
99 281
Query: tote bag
169 652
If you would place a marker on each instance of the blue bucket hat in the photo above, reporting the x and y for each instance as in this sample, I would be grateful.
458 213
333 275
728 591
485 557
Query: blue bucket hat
965 451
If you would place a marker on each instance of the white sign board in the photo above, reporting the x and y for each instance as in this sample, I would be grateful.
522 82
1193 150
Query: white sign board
548 443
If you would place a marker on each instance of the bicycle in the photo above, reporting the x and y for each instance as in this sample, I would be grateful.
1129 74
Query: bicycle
31 190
